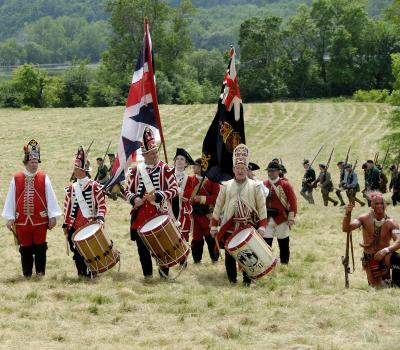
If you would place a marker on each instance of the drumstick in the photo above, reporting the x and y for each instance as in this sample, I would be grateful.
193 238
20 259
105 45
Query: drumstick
66 240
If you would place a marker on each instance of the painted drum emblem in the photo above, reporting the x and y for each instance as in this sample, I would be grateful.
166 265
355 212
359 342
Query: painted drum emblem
247 258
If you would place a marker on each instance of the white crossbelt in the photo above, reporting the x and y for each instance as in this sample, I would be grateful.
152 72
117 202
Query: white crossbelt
148 184
86 212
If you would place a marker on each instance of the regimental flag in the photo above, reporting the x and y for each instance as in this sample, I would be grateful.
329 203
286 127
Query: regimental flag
141 111
226 130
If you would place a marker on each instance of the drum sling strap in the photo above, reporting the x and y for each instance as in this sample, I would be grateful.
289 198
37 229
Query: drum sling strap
280 193
148 184
86 212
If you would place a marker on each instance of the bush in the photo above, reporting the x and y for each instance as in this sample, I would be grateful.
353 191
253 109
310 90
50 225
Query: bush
103 95
394 98
9 95
372 96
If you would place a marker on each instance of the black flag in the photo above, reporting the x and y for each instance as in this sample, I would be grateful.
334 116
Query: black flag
226 130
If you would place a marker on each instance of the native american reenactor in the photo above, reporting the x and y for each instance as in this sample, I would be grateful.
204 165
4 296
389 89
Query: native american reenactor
342 182
181 206
352 186
84 203
307 183
102 172
203 197
30 210
394 185
240 202
281 209
379 255
325 182
150 189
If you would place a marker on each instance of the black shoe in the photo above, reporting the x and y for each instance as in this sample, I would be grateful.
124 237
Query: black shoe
335 204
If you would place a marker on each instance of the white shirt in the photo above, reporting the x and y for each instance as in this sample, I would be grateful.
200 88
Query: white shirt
53 210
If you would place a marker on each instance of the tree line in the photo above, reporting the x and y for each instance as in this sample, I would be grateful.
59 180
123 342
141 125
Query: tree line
329 48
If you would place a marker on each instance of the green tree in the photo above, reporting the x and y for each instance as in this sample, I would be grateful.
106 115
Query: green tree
263 59
298 43
30 82
76 81
12 53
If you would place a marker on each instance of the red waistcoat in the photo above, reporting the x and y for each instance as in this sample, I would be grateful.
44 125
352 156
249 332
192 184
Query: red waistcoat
30 199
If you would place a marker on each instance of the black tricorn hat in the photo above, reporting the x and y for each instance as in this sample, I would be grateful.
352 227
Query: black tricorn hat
322 165
273 166
184 153
253 166
197 161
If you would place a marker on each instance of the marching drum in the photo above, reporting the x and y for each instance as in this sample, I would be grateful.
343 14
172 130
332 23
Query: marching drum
164 240
95 247
252 253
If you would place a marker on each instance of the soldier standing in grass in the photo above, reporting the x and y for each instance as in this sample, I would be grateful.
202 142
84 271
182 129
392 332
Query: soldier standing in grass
84 202
181 206
151 187
102 172
31 209
394 185
325 182
240 202
307 183
378 229
281 210
203 197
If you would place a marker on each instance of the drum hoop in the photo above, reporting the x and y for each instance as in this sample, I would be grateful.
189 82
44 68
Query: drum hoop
268 270
174 260
241 244
91 222
148 220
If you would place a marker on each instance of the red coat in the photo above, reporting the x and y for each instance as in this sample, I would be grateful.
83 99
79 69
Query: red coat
273 201
207 194
94 197
185 207
30 199
208 191
163 179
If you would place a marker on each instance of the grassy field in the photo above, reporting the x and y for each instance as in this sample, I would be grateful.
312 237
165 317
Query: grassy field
302 306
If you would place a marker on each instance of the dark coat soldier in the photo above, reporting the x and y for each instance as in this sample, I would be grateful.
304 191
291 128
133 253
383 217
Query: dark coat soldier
394 185
307 183
342 182
102 172
325 182
352 186
372 177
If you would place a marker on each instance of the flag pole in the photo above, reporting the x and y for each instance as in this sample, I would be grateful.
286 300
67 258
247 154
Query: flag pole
153 88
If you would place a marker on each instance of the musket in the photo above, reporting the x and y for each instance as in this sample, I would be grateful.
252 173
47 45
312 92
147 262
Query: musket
317 155
386 155
345 259
108 148
347 155
376 157
355 164
329 159
87 153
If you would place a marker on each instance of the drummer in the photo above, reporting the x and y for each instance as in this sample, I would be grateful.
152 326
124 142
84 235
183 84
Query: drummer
241 202
84 202
151 186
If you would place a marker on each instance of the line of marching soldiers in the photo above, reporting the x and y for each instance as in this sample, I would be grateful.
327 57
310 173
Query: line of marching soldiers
209 210
375 179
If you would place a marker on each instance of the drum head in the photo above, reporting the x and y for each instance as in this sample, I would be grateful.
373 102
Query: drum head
86 232
239 237
154 223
